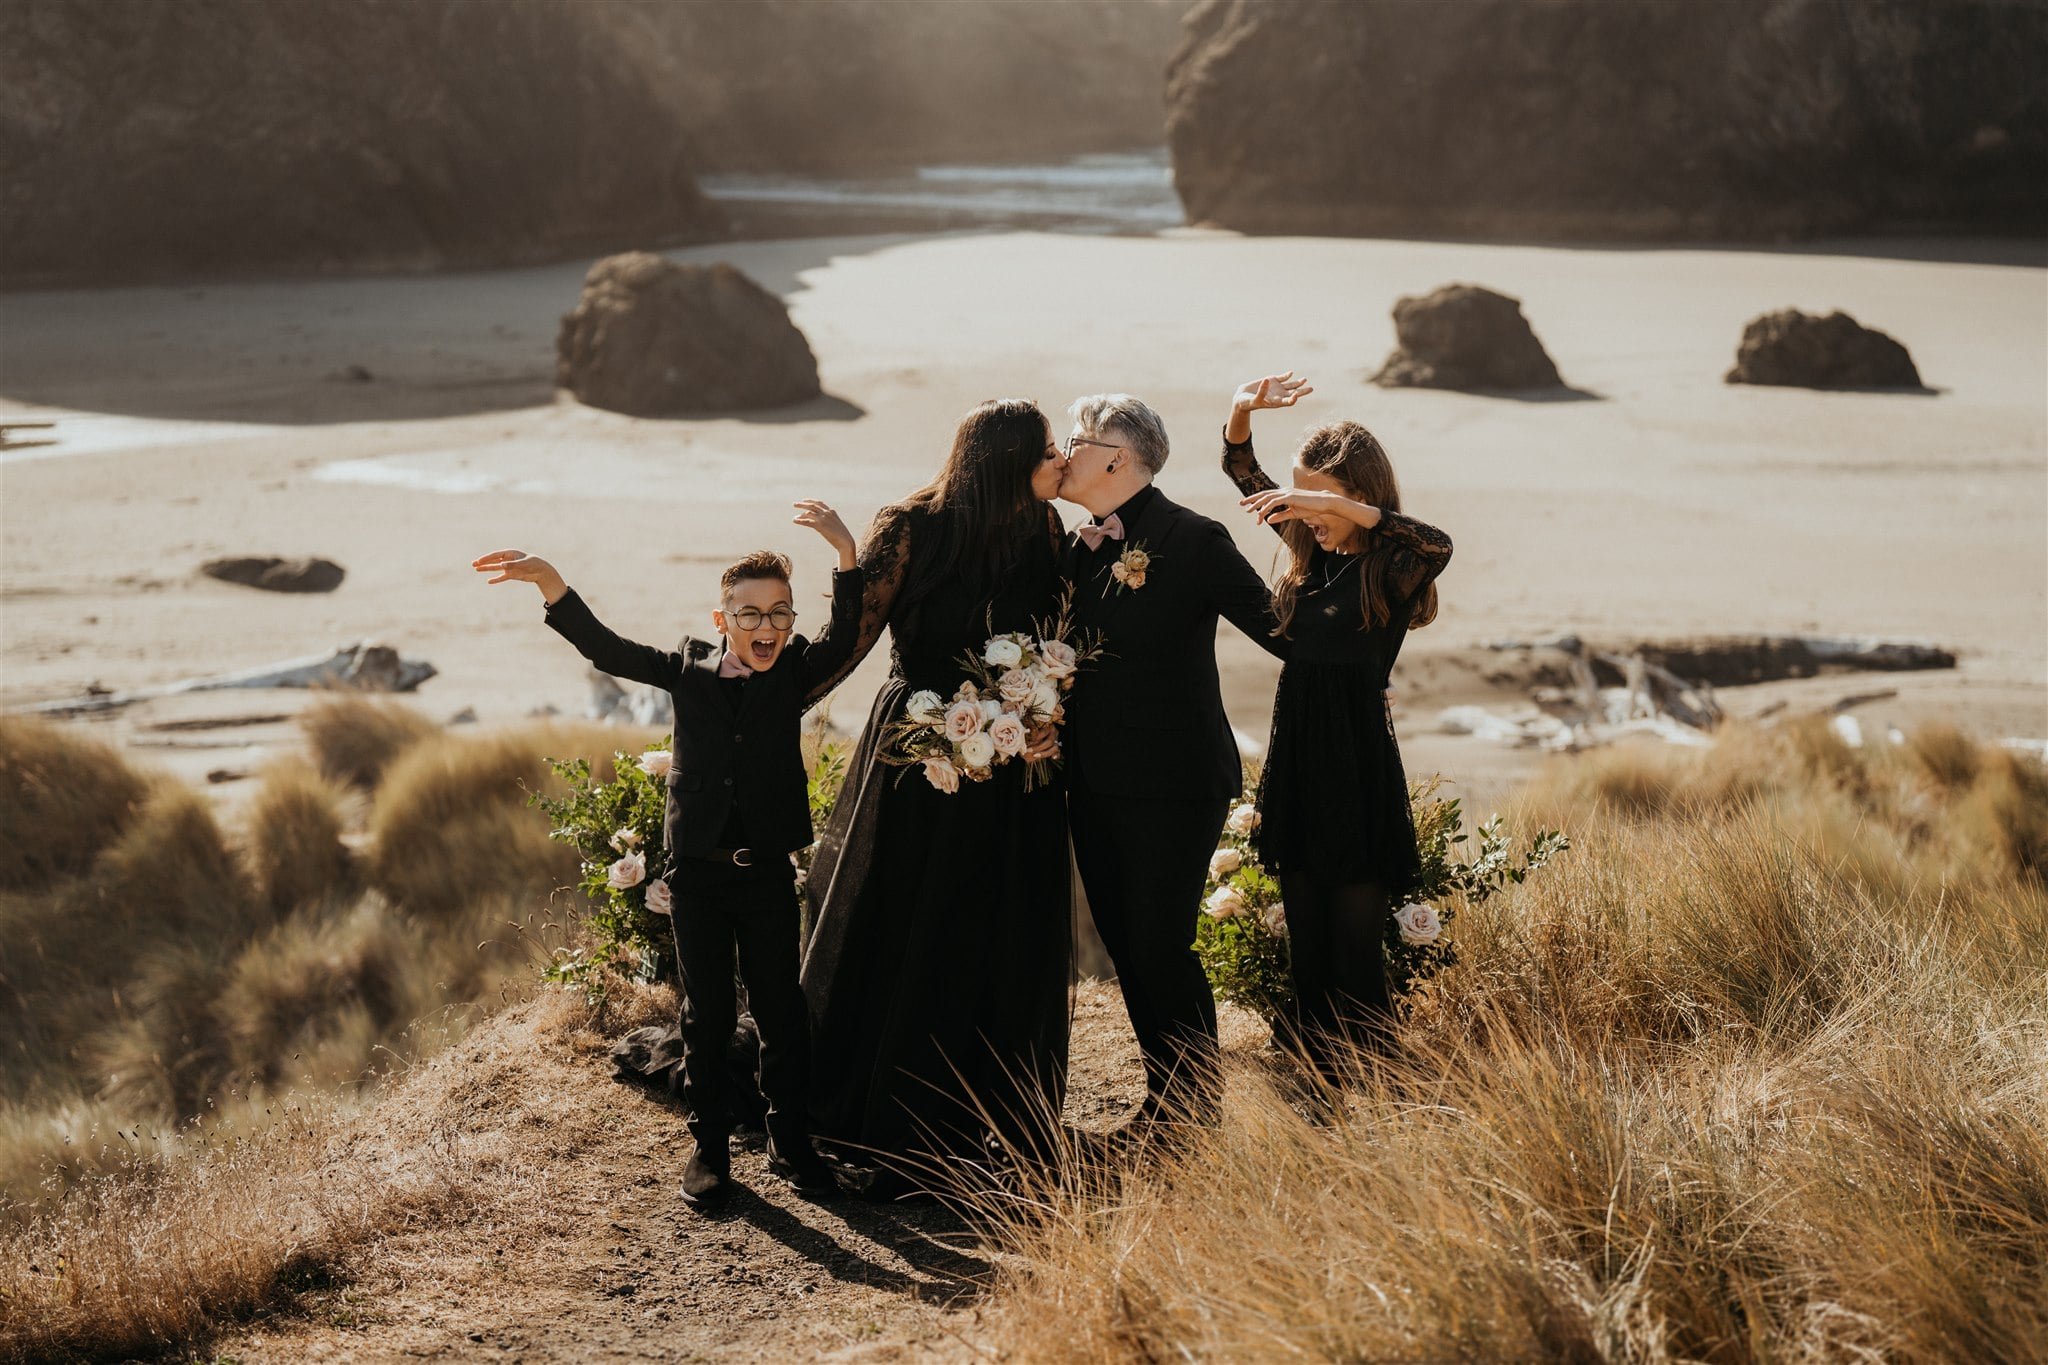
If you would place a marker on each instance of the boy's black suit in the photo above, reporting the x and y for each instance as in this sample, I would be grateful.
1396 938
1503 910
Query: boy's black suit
1152 767
736 786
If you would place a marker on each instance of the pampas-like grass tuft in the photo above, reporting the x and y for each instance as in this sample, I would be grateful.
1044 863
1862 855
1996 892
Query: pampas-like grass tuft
354 739
61 798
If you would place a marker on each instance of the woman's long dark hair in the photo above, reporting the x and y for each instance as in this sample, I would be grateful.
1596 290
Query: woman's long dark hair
979 511
1353 456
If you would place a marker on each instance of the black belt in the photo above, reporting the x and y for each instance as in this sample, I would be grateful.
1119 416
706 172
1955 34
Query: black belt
739 857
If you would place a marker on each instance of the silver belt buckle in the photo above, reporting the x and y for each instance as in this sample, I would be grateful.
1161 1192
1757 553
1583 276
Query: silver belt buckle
743 857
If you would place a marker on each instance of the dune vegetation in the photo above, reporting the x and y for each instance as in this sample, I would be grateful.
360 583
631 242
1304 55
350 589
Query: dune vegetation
1754 1072
1757 1072
162 972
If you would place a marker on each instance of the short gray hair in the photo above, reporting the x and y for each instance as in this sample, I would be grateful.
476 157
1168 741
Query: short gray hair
1129 420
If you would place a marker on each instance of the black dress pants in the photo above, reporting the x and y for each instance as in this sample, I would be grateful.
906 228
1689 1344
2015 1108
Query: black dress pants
726 916
1336 953
1143 864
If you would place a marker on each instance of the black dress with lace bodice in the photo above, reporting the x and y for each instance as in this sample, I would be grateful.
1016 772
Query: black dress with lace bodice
1333 797
938 962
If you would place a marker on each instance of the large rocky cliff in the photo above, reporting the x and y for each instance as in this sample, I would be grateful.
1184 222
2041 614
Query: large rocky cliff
1736 119
142 138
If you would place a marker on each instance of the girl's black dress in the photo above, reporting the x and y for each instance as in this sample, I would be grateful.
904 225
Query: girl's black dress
941 945
1333 798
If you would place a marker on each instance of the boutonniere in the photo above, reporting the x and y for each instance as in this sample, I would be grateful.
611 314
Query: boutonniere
1130 568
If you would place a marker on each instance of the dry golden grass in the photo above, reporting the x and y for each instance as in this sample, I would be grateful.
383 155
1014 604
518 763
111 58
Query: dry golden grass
293 839
451 823
354 738
65 797
1754 1073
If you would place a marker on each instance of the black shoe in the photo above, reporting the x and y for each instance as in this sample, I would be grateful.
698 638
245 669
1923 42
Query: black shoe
708 1176
799 1163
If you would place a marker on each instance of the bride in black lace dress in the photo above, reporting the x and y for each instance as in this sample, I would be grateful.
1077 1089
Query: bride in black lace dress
1333 799
938 962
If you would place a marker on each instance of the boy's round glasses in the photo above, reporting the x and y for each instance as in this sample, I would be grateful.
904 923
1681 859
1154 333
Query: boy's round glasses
750 618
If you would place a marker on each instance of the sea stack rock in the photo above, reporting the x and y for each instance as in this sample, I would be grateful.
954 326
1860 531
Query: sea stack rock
654 338
273 574
1464 337
1804 350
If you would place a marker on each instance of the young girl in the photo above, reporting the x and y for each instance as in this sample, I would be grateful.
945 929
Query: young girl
1336 829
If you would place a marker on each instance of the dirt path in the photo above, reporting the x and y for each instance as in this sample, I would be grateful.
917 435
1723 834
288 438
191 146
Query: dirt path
577 1247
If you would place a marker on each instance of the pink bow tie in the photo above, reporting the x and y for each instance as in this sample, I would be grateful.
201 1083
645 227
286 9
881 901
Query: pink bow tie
729 666
1094 533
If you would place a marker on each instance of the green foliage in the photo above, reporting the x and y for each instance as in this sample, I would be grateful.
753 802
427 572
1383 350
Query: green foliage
1241 937
616 824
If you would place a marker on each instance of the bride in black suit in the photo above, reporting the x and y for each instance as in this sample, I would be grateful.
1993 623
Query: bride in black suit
938 962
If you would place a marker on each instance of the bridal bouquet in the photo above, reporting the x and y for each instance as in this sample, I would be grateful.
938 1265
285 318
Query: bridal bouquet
1017 683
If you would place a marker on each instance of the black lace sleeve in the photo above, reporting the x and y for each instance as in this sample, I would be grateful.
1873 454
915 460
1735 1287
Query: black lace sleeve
1241 466
1420 551
884 564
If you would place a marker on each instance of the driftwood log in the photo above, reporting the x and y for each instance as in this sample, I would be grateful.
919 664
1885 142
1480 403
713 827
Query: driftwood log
361 667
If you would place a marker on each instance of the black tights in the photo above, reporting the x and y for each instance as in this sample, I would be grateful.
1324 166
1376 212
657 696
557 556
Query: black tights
1340 971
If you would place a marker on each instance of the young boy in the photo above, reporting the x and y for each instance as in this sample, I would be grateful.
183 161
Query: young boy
737 808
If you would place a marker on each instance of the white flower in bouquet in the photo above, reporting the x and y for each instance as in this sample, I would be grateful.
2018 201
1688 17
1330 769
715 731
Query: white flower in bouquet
1003 652
941 773
1224 861
1016 685
1225 902
1045 696
925 708
1007 734
628 872
626 837
1243 819
976 751
660 900
656 763
990 709
1419 923
1057 658
1274 917
963 718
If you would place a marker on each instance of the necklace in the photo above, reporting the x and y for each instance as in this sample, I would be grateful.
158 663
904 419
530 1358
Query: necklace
1329 578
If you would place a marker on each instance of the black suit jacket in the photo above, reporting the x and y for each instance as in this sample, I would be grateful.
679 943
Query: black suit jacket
752 754
1147 720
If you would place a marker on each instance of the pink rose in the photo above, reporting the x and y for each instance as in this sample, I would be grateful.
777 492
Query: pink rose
963 718
660 900
941 773
1016 685
1007 734
1057 657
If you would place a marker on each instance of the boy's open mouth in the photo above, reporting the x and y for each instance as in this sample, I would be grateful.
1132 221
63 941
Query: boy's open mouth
761 650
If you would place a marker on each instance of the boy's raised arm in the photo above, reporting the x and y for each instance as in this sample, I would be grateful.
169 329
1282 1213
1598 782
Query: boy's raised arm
572 619
830 650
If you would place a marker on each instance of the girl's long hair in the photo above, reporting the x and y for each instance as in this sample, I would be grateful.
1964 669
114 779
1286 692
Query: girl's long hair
1353 456
979 511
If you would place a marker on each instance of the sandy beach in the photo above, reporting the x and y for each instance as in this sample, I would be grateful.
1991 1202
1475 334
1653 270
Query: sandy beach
203 420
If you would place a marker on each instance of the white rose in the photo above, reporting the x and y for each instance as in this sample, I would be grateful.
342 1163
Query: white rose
990 709
924 707
1419 923
1274 917
660 900
1007 734
628 872
1224 903
626 837
1225 861
1243 819
941 773
656 763
1003 652
963 718
1057 658
1015 685
1045 696
976 751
